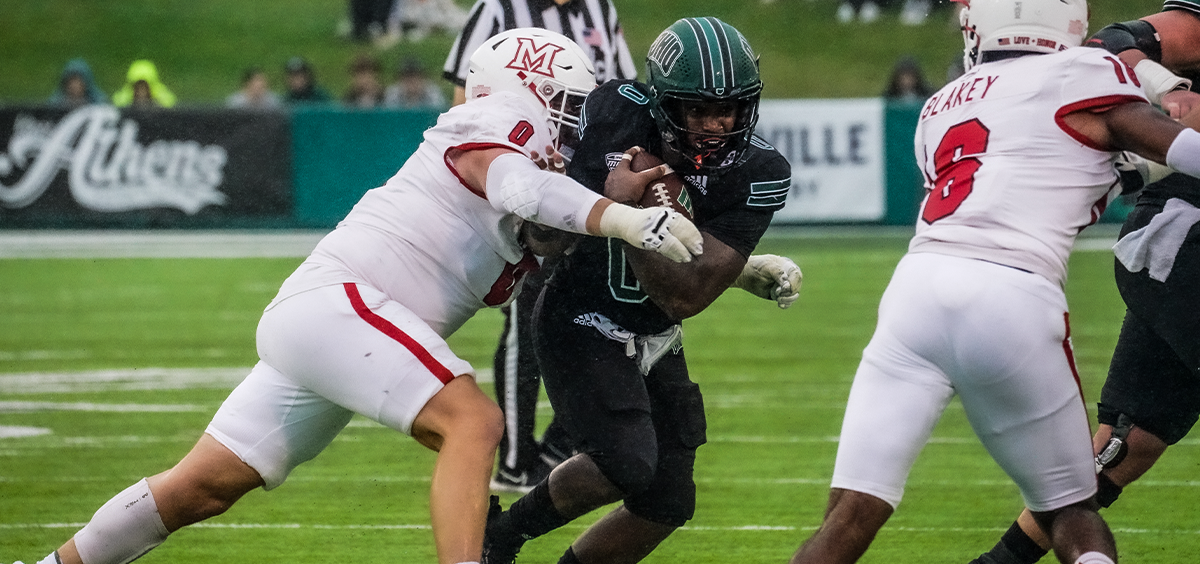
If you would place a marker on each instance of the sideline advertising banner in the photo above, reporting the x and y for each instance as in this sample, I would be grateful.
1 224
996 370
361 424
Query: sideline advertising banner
100 166
836 149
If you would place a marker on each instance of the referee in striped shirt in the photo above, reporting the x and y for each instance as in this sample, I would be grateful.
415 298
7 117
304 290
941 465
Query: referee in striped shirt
593 25
590 23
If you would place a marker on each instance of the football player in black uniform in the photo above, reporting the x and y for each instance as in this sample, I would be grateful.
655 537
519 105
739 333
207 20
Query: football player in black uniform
608 322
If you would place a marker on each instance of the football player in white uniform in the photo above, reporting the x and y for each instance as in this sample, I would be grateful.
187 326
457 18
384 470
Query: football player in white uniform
1151 396
360 326
1018 158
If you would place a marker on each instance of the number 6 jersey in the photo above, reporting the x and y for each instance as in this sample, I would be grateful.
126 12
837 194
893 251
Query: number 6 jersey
1007 180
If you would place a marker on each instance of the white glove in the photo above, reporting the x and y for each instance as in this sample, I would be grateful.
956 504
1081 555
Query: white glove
771 277
655 229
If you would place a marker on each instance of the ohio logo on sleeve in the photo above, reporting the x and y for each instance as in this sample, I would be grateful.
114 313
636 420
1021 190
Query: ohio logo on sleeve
534 59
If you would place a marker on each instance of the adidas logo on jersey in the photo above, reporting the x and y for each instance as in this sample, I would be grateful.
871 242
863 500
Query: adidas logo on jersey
699 182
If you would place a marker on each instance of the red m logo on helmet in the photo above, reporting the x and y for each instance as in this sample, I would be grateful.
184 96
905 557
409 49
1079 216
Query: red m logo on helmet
532 58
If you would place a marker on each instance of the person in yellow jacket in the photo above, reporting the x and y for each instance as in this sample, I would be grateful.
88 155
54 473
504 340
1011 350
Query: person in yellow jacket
143 88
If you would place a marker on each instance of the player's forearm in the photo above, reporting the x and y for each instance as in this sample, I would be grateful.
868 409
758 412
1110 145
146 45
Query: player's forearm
593 219
683 290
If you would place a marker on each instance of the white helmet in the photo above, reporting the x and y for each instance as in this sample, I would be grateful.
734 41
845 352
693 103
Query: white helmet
1041 26
546 66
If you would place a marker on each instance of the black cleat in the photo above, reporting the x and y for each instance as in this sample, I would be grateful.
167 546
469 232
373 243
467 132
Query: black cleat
500 543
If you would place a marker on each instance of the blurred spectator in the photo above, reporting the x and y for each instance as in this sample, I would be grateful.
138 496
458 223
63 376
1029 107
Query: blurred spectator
908 83
368 19
143 89
915 12
413 88
865 11
954 69
255 93
302 87
416 19
911 13
366 86
77 86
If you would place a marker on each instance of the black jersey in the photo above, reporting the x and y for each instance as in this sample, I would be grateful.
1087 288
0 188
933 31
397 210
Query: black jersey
735 207
1176 185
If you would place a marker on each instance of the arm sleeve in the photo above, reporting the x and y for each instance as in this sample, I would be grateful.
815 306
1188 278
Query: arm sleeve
1122 36
517 186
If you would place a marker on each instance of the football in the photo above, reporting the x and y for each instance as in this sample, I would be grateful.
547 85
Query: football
668 191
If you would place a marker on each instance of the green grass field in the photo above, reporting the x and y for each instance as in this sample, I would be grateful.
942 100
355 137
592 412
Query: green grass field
201 47
775 384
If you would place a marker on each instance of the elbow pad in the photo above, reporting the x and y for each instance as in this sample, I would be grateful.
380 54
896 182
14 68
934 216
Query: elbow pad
516 185
1136 34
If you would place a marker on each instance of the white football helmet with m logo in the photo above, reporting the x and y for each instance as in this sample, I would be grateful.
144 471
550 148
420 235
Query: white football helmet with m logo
535 62
1041 26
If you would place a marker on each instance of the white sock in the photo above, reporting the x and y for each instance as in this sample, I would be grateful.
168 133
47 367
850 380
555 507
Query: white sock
51 559
1093 558
122 530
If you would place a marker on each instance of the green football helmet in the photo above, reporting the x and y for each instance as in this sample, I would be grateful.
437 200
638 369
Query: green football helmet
703 62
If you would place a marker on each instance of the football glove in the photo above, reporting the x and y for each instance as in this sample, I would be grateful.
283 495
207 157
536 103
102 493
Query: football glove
1136 172
662 230
771 277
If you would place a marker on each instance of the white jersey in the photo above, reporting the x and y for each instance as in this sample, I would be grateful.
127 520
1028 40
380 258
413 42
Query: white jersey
425 238
1008 181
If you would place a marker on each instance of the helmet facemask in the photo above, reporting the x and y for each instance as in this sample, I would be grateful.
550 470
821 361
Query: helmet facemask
708 150
564 104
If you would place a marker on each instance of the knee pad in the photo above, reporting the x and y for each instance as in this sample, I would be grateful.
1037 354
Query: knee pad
623 446
671 498
631 469
123 529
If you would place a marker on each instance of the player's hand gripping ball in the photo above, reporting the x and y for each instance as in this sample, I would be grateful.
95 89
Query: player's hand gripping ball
668 191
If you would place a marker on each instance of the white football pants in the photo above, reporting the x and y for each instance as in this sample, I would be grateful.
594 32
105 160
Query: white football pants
997 337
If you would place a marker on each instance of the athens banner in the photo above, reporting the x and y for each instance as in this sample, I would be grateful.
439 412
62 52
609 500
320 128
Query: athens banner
100 166
836 149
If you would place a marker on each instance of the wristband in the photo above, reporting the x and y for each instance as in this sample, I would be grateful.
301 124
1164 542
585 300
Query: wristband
1157 80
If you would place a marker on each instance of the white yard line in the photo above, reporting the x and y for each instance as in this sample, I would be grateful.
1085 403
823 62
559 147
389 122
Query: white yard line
166 243
157 243
693 528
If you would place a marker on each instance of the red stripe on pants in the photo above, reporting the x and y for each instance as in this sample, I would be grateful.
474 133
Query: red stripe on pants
441 372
